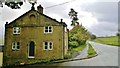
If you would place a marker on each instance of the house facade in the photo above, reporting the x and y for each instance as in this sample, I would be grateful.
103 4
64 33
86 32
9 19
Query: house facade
33 37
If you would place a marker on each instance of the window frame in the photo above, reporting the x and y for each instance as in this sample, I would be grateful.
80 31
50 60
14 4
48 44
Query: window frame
15 45
17 29
48 30
44 46
48 46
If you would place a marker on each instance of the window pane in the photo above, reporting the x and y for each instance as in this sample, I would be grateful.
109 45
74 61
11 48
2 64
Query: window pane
46 30
46 27
13 43
46 43
13 46
50 43
50 46
18 43
50 27
18 31
14 31
46 47
18 47
50 30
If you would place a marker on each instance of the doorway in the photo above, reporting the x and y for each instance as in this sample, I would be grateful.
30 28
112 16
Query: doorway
31 49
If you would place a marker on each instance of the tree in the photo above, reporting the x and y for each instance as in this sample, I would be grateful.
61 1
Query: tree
118 34
15 4
73 16
93 36
78 36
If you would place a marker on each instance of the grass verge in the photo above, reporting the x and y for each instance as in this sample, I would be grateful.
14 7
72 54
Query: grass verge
91 51
79 48
73 52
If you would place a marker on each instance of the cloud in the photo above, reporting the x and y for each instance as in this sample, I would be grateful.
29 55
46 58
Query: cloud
104 11
98 16
106 14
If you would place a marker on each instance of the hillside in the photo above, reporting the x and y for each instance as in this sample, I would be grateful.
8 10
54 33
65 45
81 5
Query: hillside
111 40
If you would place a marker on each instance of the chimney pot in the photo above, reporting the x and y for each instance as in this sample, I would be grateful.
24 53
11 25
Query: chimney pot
40 9
61 20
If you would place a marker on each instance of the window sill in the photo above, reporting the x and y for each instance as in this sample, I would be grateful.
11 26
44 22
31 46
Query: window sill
48 32
31 57
15 50
16 34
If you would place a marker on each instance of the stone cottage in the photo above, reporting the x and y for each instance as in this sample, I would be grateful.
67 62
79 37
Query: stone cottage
34 36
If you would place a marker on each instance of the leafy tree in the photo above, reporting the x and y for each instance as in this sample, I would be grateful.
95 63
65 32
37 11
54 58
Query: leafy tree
78 34
74 44
93 36
118 34
15 4
73 16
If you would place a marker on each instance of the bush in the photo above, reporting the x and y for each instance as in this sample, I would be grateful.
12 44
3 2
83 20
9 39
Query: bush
74 44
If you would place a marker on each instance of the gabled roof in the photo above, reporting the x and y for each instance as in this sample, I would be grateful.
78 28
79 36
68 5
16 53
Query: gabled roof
40 14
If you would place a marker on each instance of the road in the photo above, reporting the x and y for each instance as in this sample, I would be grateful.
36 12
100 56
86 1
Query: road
107 56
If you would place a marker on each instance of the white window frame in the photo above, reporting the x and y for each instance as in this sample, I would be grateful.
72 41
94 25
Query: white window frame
14 47
17 29
48 29
44 46
48 46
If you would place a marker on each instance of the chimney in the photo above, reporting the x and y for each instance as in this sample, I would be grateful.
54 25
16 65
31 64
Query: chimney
40 9
61 20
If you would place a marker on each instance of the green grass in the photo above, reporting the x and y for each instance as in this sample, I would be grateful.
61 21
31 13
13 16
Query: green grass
111 40
91 51
79 48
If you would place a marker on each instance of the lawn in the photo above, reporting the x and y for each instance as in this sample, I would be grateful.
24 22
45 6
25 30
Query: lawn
111 40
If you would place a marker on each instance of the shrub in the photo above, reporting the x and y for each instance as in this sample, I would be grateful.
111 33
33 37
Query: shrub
74 44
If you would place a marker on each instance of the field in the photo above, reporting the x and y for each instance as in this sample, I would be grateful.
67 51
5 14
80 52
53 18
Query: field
111 40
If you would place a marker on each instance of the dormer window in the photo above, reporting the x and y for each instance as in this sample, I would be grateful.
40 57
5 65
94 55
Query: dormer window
48 29
16 30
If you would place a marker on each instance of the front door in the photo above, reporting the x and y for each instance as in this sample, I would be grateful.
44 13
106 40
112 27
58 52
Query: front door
31 49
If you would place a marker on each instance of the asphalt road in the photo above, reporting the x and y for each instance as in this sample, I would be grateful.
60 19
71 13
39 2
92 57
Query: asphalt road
107 56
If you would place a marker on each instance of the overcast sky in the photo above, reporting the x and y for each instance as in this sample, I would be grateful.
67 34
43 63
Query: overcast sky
99 17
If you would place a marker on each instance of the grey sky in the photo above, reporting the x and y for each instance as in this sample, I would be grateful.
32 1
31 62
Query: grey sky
107 16
100 18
